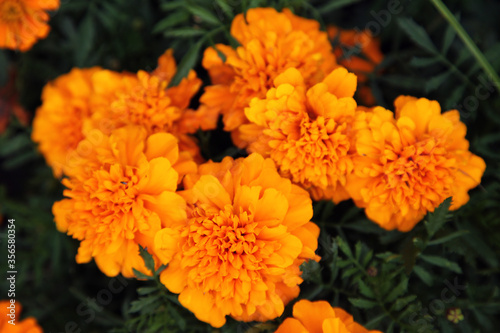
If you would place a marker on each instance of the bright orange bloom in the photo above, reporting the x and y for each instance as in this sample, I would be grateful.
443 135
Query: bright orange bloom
84 100
409 164
358 42
58 123
248 232
28 325
306 130
23 22
320 317
271 42
121 191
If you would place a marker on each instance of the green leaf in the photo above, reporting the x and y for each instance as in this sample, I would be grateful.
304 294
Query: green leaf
187 63
358 248
402 302
449 36
348 272
184 32
140 275
365 290
171 5
142 302
171 21
417 34
399 290
226 8
334 5
436 81
148 258
448 238
437 219
425 276
203 14
344 247
146 290
442 262
85 41
423 62
362 303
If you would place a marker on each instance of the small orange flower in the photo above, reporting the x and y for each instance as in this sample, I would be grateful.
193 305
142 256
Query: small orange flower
371 56
248 232
11 312
120 193
23 22
409 164
306 130
320 317
270 42
87 99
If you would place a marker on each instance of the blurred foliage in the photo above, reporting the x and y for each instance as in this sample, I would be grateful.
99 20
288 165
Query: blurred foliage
391 281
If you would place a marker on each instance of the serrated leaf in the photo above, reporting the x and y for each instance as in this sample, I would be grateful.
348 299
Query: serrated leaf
348 272
148 258
448 238
146 290
436 81
344 247
184 32
442 262
399 290
417 34
203 14
334 5
15 145
362 303
358 248
141 275
367 258
425 276
437 219
423 62
226 8
142 302
171 21
188 62
402 302
449 36
365 290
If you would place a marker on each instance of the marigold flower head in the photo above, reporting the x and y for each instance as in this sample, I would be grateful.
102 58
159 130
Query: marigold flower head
271 42
306 130
28 325
248 232
57 126
320 317
120 193
23 22
350 43
407 164
86 99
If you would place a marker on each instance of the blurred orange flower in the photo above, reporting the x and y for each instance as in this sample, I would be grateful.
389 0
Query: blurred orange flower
271 42
77 103
23 22
248 232
28 325
320 317
409 164
120 193
357 42
306 130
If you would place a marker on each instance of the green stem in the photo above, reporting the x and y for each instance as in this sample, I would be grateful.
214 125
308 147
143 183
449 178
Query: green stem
441 7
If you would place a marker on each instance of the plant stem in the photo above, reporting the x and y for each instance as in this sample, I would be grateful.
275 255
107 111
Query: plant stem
445 12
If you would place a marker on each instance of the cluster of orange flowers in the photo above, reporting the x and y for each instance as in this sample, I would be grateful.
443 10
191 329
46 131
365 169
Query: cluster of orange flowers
235 233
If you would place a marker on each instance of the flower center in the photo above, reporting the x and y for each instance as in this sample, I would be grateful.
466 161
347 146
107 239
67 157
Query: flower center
10 11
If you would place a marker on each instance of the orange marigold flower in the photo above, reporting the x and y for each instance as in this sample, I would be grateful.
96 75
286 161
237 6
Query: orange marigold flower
357 42
248 232
408 164
58 123
306 131
120 193
11 311
320 317
271 42
86 99
23 22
